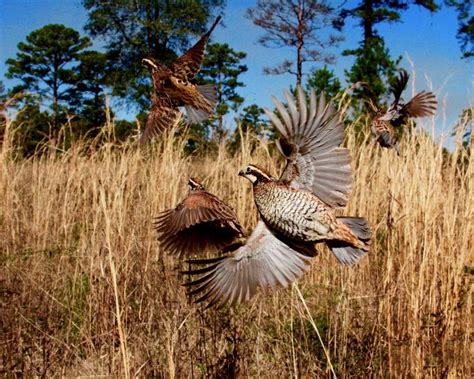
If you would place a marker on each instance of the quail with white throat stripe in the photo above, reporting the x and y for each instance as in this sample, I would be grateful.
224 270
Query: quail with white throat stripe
174 87
297 210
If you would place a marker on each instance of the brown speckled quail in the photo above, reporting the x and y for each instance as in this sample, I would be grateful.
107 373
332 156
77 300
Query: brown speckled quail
199 223
174 87
385 123
302 216
297 210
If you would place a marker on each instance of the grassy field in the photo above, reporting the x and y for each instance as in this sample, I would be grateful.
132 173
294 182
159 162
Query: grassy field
86 290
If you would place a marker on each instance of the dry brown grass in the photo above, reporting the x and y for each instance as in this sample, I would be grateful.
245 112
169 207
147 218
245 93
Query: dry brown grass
85 289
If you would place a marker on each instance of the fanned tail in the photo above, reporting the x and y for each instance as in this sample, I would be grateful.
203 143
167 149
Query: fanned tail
348 253
196 115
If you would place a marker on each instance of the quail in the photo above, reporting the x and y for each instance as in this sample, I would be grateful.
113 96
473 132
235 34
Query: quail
385 123
300 215
297 210
174 87
199 223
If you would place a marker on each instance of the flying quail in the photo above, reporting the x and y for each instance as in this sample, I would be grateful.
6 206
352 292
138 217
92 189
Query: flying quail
297 211
300 215
198 223
174 87
384 124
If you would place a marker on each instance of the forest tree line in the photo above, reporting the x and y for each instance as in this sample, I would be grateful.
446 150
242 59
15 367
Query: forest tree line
63 82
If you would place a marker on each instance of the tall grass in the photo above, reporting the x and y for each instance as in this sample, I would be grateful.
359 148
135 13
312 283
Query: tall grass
86 290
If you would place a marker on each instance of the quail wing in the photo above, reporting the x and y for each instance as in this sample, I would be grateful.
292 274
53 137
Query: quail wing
423 104
399 86
189 64
160 118
264 262
200 222
311 135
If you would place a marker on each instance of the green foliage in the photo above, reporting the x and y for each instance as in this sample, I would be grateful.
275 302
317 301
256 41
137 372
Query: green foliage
133 30
31 127
250 121
324 79
295 24
465 34
90 99
372 69
44 65
373 66
222 66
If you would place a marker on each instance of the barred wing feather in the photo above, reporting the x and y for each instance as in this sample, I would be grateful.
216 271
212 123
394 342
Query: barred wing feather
311 135
264 262
200 222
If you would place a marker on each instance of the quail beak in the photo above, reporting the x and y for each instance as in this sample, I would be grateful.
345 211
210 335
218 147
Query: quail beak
241 173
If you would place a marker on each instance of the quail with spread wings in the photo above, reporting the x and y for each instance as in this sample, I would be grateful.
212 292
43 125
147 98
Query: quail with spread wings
385 123
201 222
297 211
174 87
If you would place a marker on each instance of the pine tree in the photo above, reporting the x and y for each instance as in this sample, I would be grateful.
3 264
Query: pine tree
324 80
92 78
222 66
296 24
133 30
374 67
465 34
45 66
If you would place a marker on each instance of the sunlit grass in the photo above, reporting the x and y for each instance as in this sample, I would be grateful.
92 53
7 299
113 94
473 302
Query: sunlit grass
86 289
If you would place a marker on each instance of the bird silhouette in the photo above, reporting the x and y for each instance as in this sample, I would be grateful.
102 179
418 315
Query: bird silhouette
174 87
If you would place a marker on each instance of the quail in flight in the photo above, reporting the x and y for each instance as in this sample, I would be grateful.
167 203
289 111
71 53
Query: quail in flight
297 210
385 123
174 87
199 223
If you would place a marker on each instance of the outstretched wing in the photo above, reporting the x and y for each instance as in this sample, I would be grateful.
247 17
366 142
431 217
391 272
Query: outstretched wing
311 135
189 64
200 222
160 118
399 85
264 262
423 104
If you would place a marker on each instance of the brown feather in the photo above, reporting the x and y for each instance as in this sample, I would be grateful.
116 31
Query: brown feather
422 105
198 223
188 65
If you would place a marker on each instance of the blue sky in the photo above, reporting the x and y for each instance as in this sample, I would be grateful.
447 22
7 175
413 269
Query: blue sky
427 40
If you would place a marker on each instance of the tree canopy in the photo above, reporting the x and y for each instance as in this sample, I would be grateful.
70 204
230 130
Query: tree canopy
45 64
133 30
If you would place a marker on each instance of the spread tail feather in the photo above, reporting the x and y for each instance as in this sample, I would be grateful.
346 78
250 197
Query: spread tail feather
346 253
195 115
209 92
